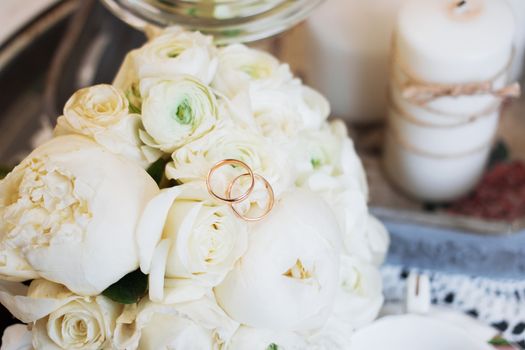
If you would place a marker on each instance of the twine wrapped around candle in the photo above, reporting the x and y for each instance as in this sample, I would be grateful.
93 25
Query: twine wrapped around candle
422 92
471 118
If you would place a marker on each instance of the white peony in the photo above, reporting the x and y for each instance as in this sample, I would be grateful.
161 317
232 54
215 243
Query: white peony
176 111
265 339
288 278
174 52
334 335
188 243
69 213
360 296
62 320
241 67
101 112
196 325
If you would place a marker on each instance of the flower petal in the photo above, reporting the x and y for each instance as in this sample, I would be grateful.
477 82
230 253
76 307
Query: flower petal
151 225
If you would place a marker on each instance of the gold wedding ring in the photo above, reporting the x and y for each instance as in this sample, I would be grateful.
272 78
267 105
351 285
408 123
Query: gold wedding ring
228 198
228 193
269 205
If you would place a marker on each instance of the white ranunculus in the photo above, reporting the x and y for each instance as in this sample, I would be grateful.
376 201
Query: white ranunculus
327 163
360 294
101 112
241 67
188 242
62 320
17 337
288 278
69 213
196 325
128 82
176 111
284 111
265 158
265 339
331 152
376 239
174 52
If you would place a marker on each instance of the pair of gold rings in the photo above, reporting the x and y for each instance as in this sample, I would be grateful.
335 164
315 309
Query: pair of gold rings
241 198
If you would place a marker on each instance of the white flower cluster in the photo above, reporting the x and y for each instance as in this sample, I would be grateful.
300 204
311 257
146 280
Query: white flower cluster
110 261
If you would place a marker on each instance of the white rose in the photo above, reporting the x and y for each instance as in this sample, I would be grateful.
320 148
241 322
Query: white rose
62 320
101 112
188 242
265 339
360 294
176 112
69 213
288 278
241 67
172 53
84 323
265 158
196 325
17 337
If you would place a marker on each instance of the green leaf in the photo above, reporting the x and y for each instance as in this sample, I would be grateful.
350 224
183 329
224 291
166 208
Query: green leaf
272 346
230 33
499 342
156 170
134 109
129 289
192 12
134 99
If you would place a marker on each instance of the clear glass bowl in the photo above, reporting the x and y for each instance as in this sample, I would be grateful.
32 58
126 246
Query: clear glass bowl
227 20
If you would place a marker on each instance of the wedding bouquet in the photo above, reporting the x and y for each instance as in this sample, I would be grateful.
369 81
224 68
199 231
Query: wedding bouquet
201 201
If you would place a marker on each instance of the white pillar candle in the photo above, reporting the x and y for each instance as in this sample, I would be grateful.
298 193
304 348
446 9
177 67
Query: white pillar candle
346 55
432 177
452 60
518 8
444 140
455 41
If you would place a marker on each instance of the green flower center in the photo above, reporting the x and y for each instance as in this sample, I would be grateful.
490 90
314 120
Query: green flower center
173 53
184 113
316 163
